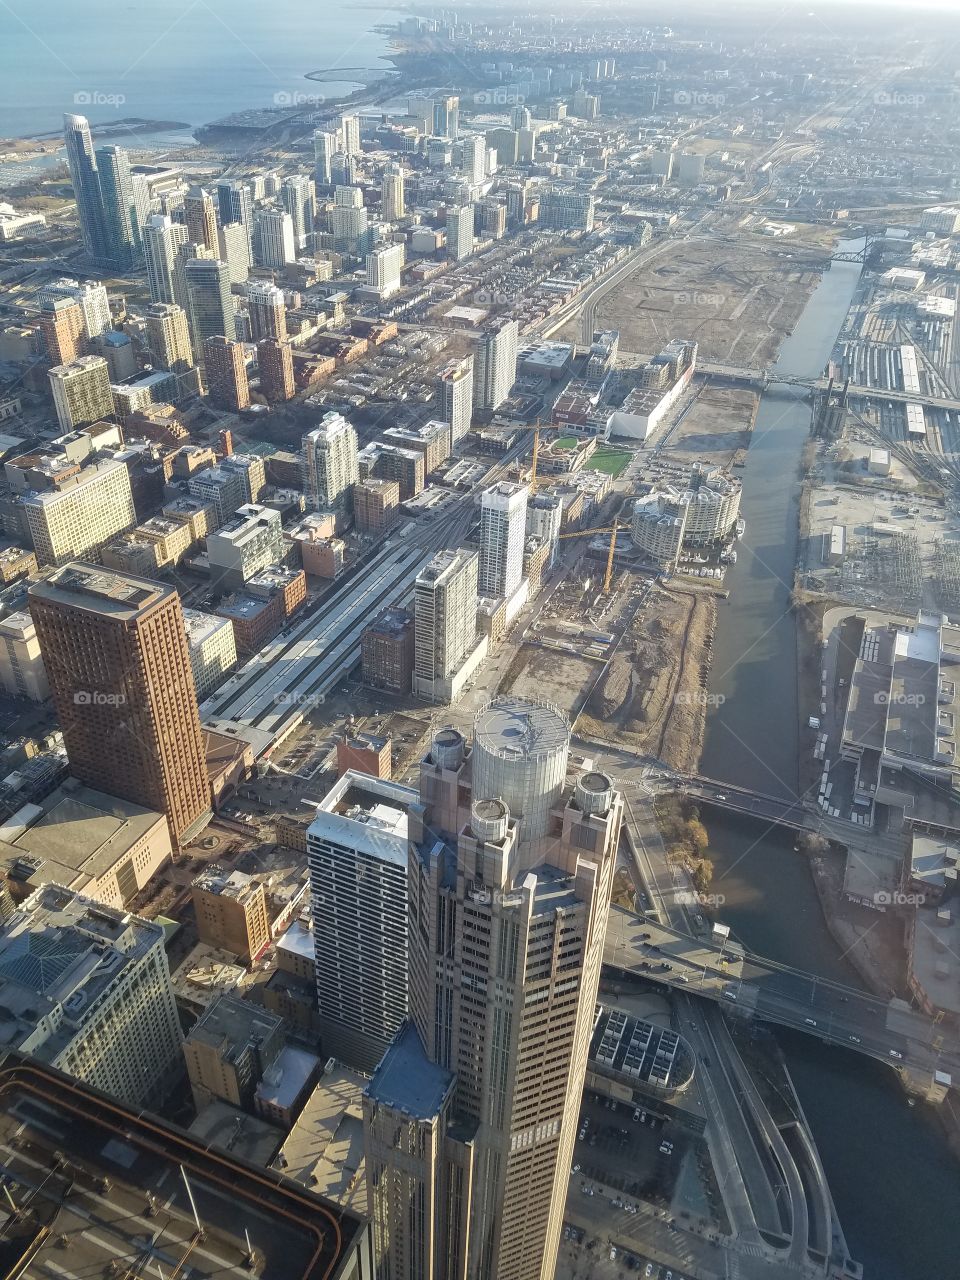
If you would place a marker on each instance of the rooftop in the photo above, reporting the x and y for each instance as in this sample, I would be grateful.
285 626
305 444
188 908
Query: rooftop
102 591
231 1025
407 1081
324 1149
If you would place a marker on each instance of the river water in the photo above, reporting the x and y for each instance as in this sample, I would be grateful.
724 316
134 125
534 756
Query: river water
889 1167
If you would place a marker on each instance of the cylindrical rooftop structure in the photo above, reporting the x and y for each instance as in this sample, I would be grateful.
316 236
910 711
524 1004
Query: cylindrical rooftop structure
490 820
448 748
520 751
594 792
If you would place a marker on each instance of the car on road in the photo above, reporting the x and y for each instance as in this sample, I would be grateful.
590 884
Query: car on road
810 1022
721 796
895 1053
648 1269
854 1039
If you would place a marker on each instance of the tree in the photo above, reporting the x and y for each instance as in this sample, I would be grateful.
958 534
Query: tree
696 833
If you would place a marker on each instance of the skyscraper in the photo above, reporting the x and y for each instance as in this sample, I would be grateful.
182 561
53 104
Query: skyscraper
357 854
274 243
350 133
349 221
329 461
120 228
445 616
393 203
63 331
234 250
225 373
200 215
268 315
209 301
446 116
275 359
384 265
168 337
460 232
116 655
456 397
235 202
503 531
298 199
495 365
81 391
473 158
324 146
162 238
470 1136
86 184
91 297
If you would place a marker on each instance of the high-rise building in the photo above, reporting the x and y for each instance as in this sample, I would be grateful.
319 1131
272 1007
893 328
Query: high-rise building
209 302
473 158
350 133
244 545
344 169
168 337
21 665
470 1121
115 650
70 514
357 854
235 202
63 331
268 312
349 221
446 116
121 228
299 200
563 209
275 358
503 531
162 238
91 297
274 244
330 466
393 201
235 480
234 249
445 615
520 118
99 1005
81 391
324 147
384 267
456 397
86 185
495 365
200 215
460 232
225 373
690 168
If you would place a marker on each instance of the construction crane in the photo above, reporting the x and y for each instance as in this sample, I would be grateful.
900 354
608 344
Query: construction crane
613 530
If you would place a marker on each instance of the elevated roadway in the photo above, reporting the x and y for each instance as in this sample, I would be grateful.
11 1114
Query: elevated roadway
754 987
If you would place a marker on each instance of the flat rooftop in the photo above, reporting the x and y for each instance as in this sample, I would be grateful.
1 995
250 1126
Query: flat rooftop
296 1233
324 1149
407 1080
103 591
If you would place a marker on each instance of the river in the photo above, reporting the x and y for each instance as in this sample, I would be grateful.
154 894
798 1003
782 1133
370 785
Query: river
888 1164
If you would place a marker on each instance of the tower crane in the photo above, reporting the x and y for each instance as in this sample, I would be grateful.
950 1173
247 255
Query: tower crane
613 530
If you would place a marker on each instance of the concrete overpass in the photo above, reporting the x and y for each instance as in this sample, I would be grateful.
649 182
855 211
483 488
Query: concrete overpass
753 987
763 379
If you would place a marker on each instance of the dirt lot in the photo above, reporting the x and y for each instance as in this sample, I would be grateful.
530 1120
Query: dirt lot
652 694
737 299
716 430
560 678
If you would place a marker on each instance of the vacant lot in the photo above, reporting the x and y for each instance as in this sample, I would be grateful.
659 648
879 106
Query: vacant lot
737 297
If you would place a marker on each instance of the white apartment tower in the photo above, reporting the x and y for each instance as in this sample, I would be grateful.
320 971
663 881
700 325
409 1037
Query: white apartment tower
357 855
329 464
495 365
456 397
445 614
384 267
350 134
460 232
503 531
325 146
